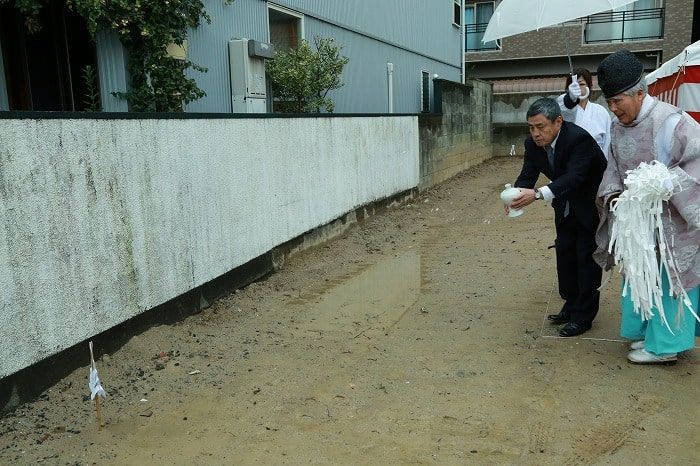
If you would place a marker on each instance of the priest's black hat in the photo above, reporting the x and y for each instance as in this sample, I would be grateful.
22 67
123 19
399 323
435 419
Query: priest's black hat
619 72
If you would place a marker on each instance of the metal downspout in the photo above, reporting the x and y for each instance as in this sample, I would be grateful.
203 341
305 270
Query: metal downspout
462 47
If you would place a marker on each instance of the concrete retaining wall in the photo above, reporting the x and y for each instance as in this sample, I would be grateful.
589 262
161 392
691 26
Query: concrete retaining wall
510 120
103 219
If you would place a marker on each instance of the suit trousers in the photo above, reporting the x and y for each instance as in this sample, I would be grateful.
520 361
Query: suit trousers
578 274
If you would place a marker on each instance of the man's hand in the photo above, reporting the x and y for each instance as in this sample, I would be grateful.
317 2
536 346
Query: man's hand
526 197
574 89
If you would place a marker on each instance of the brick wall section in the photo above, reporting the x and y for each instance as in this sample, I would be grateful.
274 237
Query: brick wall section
548 42
458 136
678 27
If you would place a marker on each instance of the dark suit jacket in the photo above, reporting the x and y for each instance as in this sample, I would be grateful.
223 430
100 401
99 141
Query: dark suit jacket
579 164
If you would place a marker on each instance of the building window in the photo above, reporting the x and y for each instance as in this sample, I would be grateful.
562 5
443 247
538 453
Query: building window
425 91
46 70
476 18
286 28
641 20
457 15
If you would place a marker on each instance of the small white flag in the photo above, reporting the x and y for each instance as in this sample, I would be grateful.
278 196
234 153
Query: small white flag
96 390
95 385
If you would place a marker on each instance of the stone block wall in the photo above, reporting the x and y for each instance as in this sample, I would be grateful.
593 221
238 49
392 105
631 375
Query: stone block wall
458 135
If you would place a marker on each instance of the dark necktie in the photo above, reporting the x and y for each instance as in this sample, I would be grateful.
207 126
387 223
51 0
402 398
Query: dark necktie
550 156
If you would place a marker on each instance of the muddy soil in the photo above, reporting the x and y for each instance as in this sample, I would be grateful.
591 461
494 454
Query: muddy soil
418 337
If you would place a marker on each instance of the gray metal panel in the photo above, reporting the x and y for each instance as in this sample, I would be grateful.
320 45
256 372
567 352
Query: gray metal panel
111 66
423 26
414 35
4 101
365 75
208 47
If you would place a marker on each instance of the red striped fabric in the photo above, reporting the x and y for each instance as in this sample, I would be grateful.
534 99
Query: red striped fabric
681 89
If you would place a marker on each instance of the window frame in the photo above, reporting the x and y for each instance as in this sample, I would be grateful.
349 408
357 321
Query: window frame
614 17
289 12
457 12
472 6
424 91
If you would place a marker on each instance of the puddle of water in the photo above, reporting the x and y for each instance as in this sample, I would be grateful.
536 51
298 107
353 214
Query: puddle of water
378 295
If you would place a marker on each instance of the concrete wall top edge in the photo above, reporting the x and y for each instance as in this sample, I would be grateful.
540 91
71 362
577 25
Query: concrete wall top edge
22 115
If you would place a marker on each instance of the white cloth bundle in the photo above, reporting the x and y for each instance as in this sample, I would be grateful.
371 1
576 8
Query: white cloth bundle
637 230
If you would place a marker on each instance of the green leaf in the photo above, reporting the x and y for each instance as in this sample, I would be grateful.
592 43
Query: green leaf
302 77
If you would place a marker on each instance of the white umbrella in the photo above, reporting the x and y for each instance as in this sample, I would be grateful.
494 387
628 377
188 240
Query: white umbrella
517 16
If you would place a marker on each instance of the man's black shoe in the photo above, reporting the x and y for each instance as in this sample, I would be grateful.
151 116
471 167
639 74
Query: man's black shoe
558 318
574 328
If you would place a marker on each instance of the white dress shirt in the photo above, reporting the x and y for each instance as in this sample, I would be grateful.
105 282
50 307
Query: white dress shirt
547 193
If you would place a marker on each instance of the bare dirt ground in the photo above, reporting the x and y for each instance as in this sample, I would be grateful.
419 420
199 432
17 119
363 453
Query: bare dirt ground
419 337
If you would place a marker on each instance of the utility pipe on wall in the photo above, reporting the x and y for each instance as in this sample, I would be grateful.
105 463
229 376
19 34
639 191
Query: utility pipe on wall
463 46
390 86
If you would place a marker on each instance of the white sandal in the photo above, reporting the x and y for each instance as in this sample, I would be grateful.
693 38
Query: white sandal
635 345
642 356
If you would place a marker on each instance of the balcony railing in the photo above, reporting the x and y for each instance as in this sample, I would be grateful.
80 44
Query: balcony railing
611 26
474 33
623 26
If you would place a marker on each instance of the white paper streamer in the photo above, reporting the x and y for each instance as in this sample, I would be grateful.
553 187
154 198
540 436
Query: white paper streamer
637 231
95 385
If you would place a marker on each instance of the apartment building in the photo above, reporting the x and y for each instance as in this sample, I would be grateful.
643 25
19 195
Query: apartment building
655 30
527 66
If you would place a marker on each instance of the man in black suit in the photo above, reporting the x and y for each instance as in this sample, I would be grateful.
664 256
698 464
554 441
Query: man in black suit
571 158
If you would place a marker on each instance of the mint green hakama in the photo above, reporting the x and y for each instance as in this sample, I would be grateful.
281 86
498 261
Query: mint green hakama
657 337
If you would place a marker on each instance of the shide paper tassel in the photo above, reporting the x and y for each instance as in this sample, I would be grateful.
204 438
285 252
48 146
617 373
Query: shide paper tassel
637 231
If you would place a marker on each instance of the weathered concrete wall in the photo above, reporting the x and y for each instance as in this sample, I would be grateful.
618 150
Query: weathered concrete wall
459 135
510 119
104 219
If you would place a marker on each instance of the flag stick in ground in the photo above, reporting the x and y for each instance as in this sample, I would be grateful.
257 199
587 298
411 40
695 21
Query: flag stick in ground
98 414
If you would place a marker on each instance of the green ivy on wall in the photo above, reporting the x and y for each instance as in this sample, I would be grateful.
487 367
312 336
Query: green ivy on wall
145 28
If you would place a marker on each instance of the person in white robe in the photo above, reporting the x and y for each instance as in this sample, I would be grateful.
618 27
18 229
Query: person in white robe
578 109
